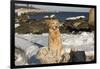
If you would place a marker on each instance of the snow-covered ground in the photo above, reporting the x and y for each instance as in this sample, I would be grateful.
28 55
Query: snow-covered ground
31 43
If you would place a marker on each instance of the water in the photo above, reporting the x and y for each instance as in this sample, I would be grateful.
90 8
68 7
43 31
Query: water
59 15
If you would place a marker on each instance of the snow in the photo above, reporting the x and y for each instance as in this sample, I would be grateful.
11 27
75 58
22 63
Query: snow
74 18
52 16
16 25
83 41
29 47
46 17
31 43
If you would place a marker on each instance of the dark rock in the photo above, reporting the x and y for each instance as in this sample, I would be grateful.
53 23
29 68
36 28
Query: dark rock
33 60
78 56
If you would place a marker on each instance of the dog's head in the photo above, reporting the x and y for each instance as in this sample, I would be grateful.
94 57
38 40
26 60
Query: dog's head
52 23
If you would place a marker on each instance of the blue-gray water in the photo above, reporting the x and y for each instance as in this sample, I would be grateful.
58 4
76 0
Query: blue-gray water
59 15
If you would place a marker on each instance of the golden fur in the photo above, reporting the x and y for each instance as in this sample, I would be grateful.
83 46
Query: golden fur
54 52
54 39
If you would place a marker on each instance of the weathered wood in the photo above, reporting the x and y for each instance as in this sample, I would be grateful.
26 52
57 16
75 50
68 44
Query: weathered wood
91 19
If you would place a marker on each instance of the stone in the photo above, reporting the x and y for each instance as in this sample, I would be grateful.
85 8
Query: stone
78 56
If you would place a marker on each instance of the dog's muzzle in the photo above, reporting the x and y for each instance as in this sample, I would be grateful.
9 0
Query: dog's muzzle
54 28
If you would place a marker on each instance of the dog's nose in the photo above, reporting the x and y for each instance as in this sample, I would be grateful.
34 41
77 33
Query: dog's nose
55 27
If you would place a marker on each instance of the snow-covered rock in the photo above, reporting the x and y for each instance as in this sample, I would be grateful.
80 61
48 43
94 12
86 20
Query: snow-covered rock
16 25
74 18
30 43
